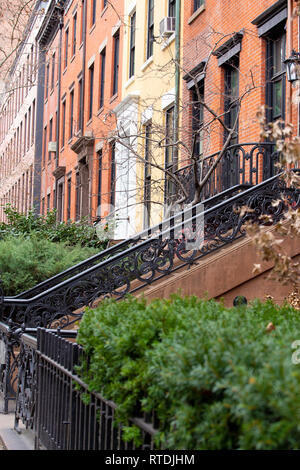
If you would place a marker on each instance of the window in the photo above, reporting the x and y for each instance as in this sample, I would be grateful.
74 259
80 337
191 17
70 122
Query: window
71 114
63 133
172 8
33 123
116 63
147 177
53 71
50 136
28 128
197 95
47 80
231 89
102 77
48 202
94 8
132 44
66 47
69 198
113 175
198 4
230 164
74 34
81 21
77 196
80 114
25 134
91 90
60 201
150 35
45 145
276 75
169 156
99 183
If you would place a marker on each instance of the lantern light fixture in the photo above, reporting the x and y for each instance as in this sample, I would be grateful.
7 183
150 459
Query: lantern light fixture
293 66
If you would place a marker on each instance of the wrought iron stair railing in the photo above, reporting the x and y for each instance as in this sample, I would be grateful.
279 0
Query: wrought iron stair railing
242 165
150 259
121 246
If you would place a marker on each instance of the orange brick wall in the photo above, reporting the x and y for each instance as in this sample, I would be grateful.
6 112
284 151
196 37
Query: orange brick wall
102 122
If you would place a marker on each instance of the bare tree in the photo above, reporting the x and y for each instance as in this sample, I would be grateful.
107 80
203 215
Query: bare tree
156 154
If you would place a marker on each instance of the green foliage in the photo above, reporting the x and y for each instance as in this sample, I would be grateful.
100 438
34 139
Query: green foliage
24 262
216 378
71 233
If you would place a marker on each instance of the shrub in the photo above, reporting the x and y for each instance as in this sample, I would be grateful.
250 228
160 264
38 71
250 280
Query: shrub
24 262
72 233
216 378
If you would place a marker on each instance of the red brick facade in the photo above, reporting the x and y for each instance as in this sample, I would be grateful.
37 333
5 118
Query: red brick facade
204 33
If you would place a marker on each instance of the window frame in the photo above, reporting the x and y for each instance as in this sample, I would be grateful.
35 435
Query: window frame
147 176
274 78
74 34
150 29
91 90
132 44
116 63
102 77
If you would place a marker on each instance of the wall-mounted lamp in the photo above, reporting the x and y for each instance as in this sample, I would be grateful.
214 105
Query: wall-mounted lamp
293 66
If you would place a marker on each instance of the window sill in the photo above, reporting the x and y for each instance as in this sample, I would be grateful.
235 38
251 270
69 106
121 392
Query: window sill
81 45
70 140
167 42
129 82
92 28
65 70
113 98
196 14
51 91
100 110
89 121
72 58
104 10
62 149
147 63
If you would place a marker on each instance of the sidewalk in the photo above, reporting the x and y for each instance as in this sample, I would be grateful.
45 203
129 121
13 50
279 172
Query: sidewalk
11 439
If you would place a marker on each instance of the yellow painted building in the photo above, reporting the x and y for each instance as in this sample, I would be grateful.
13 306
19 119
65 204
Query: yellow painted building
145 115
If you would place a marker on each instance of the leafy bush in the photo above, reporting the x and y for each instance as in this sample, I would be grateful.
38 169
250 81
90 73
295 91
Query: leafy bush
24 262
72 233
216 378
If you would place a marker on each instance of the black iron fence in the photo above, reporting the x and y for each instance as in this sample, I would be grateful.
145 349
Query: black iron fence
55 403
144 261
242 164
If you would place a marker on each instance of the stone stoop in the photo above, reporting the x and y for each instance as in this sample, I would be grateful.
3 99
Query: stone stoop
225 274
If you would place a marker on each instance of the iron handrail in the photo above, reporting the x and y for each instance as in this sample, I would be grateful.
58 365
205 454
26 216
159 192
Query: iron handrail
78 280
141 235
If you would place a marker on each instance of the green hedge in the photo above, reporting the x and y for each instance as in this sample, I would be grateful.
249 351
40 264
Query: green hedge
217 378
24 262
46 227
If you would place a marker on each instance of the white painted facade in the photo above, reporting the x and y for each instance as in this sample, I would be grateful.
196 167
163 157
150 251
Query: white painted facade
125 165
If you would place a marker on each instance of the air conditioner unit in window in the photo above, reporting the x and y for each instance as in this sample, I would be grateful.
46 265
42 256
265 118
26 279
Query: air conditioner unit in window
167 26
